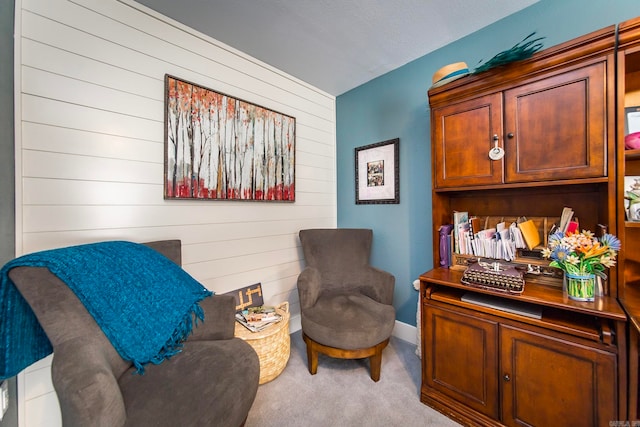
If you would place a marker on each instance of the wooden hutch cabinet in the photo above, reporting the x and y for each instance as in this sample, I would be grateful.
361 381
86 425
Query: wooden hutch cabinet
628 78
554 128
553 115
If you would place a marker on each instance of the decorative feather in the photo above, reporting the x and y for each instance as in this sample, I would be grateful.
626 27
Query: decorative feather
520 51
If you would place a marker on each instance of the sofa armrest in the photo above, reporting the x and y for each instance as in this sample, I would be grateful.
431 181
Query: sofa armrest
87 389
309 284
219 319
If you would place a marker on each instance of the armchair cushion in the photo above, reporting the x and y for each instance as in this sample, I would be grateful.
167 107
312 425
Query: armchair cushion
348 320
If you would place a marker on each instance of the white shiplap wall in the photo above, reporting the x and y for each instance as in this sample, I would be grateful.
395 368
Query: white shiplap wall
89 152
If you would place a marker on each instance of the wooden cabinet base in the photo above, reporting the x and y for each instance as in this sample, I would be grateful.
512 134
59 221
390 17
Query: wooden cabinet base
485 367
455 411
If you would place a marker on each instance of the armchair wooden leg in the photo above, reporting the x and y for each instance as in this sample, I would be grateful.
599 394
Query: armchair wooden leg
374 354
312 355
375 361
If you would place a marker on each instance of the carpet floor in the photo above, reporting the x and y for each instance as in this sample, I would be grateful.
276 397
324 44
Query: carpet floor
342 394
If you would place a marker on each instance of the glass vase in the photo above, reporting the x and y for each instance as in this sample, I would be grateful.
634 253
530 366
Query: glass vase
580 287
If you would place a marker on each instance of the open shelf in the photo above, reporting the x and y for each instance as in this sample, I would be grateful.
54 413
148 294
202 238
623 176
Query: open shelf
631 154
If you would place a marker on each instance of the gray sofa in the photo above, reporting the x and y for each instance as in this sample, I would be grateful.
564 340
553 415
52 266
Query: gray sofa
212 382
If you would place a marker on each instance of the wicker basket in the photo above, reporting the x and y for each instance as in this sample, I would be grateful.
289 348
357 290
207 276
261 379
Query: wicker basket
272 344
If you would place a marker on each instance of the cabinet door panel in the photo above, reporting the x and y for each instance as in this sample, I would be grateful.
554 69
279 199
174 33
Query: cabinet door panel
462 137
546 381
556 127
461 359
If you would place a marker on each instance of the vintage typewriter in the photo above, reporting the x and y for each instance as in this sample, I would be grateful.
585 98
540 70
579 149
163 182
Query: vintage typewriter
495 276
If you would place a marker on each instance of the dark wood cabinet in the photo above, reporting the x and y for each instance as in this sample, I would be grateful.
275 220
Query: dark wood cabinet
555 128
554 117
550 128
484 366
554 381
462 137
464 365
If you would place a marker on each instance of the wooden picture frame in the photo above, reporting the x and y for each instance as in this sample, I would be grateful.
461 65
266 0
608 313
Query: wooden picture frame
377 176
218 147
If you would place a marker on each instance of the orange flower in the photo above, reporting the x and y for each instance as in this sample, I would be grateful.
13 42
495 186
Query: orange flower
595 250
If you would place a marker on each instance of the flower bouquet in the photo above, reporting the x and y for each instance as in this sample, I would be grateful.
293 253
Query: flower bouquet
582 256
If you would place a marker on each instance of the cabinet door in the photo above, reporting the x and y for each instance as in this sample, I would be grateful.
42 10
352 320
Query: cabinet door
463 134
460 358
555 128
546 381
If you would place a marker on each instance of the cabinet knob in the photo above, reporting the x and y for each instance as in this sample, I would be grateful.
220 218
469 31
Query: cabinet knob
507 378
510 135
496 137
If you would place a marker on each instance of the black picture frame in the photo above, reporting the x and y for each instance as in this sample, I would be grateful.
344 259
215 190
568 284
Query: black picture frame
377 173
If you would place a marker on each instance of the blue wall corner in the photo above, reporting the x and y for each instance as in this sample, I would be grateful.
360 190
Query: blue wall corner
395 105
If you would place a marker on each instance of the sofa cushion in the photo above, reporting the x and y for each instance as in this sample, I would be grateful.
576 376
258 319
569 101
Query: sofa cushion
225 373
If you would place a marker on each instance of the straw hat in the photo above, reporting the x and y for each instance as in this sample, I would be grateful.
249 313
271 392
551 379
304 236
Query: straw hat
449 73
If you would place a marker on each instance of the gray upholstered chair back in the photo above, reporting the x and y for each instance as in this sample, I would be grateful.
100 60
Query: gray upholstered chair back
338 254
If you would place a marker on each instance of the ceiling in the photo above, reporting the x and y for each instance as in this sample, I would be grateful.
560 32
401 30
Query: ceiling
336 45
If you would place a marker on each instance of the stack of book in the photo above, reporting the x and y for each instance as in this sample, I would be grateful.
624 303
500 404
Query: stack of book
257 319
469 235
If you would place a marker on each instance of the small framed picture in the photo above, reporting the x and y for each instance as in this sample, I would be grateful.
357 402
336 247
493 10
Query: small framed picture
378 173
632 120
632 185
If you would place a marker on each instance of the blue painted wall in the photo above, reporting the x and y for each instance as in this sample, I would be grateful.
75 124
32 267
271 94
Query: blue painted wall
395 105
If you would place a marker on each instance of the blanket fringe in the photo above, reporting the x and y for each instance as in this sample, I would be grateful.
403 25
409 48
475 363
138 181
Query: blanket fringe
175 344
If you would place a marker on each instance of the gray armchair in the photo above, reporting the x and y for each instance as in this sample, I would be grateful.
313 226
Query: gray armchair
212 382
345 303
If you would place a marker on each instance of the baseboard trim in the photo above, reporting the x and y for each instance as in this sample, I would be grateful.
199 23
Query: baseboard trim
401 330
405 332
295 324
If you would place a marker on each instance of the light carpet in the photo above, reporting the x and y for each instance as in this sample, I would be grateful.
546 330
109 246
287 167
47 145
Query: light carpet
342 393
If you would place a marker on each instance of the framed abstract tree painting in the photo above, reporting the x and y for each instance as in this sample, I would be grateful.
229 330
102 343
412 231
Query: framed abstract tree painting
218 147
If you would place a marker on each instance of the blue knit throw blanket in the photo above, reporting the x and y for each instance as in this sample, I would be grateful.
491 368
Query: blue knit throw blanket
145 303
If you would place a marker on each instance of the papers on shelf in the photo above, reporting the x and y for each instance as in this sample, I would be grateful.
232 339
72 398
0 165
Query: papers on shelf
565 221
474 238
530 233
